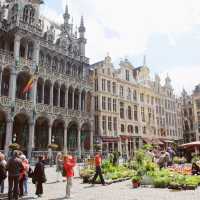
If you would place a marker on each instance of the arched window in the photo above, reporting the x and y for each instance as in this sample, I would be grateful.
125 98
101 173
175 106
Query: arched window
14 13
25 13
28 14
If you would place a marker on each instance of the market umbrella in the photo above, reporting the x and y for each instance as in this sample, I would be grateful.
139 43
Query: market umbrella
191 146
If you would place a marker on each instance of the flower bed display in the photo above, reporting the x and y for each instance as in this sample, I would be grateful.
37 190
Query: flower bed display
176 177
111 173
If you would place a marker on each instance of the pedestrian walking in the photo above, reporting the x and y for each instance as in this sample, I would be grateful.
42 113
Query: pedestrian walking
14 167
3 173
98 163
59 166
39 176
69 164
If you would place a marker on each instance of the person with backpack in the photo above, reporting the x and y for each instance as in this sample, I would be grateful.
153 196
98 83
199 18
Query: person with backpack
3 173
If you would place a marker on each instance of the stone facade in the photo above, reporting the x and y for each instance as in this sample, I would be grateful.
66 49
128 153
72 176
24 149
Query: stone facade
131 109
59 106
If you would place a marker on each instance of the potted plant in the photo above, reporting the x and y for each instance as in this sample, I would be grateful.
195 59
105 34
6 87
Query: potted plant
136 181
53 146
14 146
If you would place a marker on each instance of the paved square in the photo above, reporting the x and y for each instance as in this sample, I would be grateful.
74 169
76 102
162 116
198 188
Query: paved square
117 191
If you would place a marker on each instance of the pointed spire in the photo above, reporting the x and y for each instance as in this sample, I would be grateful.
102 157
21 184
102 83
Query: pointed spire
66 15
82 27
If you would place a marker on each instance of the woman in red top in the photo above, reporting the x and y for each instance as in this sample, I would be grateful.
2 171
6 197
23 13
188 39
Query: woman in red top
69 164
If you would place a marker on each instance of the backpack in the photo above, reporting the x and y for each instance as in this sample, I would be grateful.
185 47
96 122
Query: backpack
3 173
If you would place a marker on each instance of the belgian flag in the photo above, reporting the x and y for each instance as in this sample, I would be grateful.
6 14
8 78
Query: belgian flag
29 85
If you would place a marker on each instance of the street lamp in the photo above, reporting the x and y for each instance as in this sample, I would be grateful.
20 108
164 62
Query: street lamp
53 139
14 138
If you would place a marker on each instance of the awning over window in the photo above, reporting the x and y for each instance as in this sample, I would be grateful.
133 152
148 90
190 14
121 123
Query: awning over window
109 139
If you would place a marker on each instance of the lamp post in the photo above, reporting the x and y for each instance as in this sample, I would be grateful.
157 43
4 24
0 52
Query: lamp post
14 138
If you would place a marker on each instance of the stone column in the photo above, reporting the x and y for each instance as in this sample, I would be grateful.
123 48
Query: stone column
1 73
12 85
58 96
126 143
65 140
120 146
26 51
92 142
79 142
17 47
66 98
34 92
9 130
50 133
43 93
51 95
31 143
36 52
79 104
73 100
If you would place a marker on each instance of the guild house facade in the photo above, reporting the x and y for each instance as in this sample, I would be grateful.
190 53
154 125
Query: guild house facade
131 109
45 85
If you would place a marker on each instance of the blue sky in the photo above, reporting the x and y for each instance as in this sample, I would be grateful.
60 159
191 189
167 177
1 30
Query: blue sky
166 31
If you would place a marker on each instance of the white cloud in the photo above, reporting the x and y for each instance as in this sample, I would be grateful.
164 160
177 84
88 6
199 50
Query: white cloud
133 21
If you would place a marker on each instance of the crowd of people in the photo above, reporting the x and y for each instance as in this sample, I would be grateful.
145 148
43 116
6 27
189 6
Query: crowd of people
162 157
17 170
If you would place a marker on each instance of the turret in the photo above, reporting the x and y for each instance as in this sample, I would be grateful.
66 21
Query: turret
66 26
82 40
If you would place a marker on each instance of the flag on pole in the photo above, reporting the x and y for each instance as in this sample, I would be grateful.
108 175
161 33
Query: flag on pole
29 85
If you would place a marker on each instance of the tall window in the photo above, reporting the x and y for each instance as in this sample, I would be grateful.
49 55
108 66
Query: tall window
127 75
114 105
135 95
122 128
130 129
121 91
135 113
103 85
144 130
96 103
109 104
96 122
136 129
115 123
109 86
110 123
152 100
104 123
96 85
142 114
149 114
129 113
114 88
142 97
104 103
121 110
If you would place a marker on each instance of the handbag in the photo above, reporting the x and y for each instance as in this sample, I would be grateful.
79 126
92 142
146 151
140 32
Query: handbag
30 172
64 172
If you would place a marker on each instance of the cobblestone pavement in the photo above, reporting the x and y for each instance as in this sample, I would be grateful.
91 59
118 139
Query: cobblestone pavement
117 191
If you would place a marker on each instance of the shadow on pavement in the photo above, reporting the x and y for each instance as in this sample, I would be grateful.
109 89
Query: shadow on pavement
62 198
48 183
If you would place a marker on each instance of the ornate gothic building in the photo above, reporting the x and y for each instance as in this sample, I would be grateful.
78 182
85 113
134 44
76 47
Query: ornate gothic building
58 108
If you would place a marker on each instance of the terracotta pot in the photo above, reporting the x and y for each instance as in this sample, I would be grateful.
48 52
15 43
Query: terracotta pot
136 184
